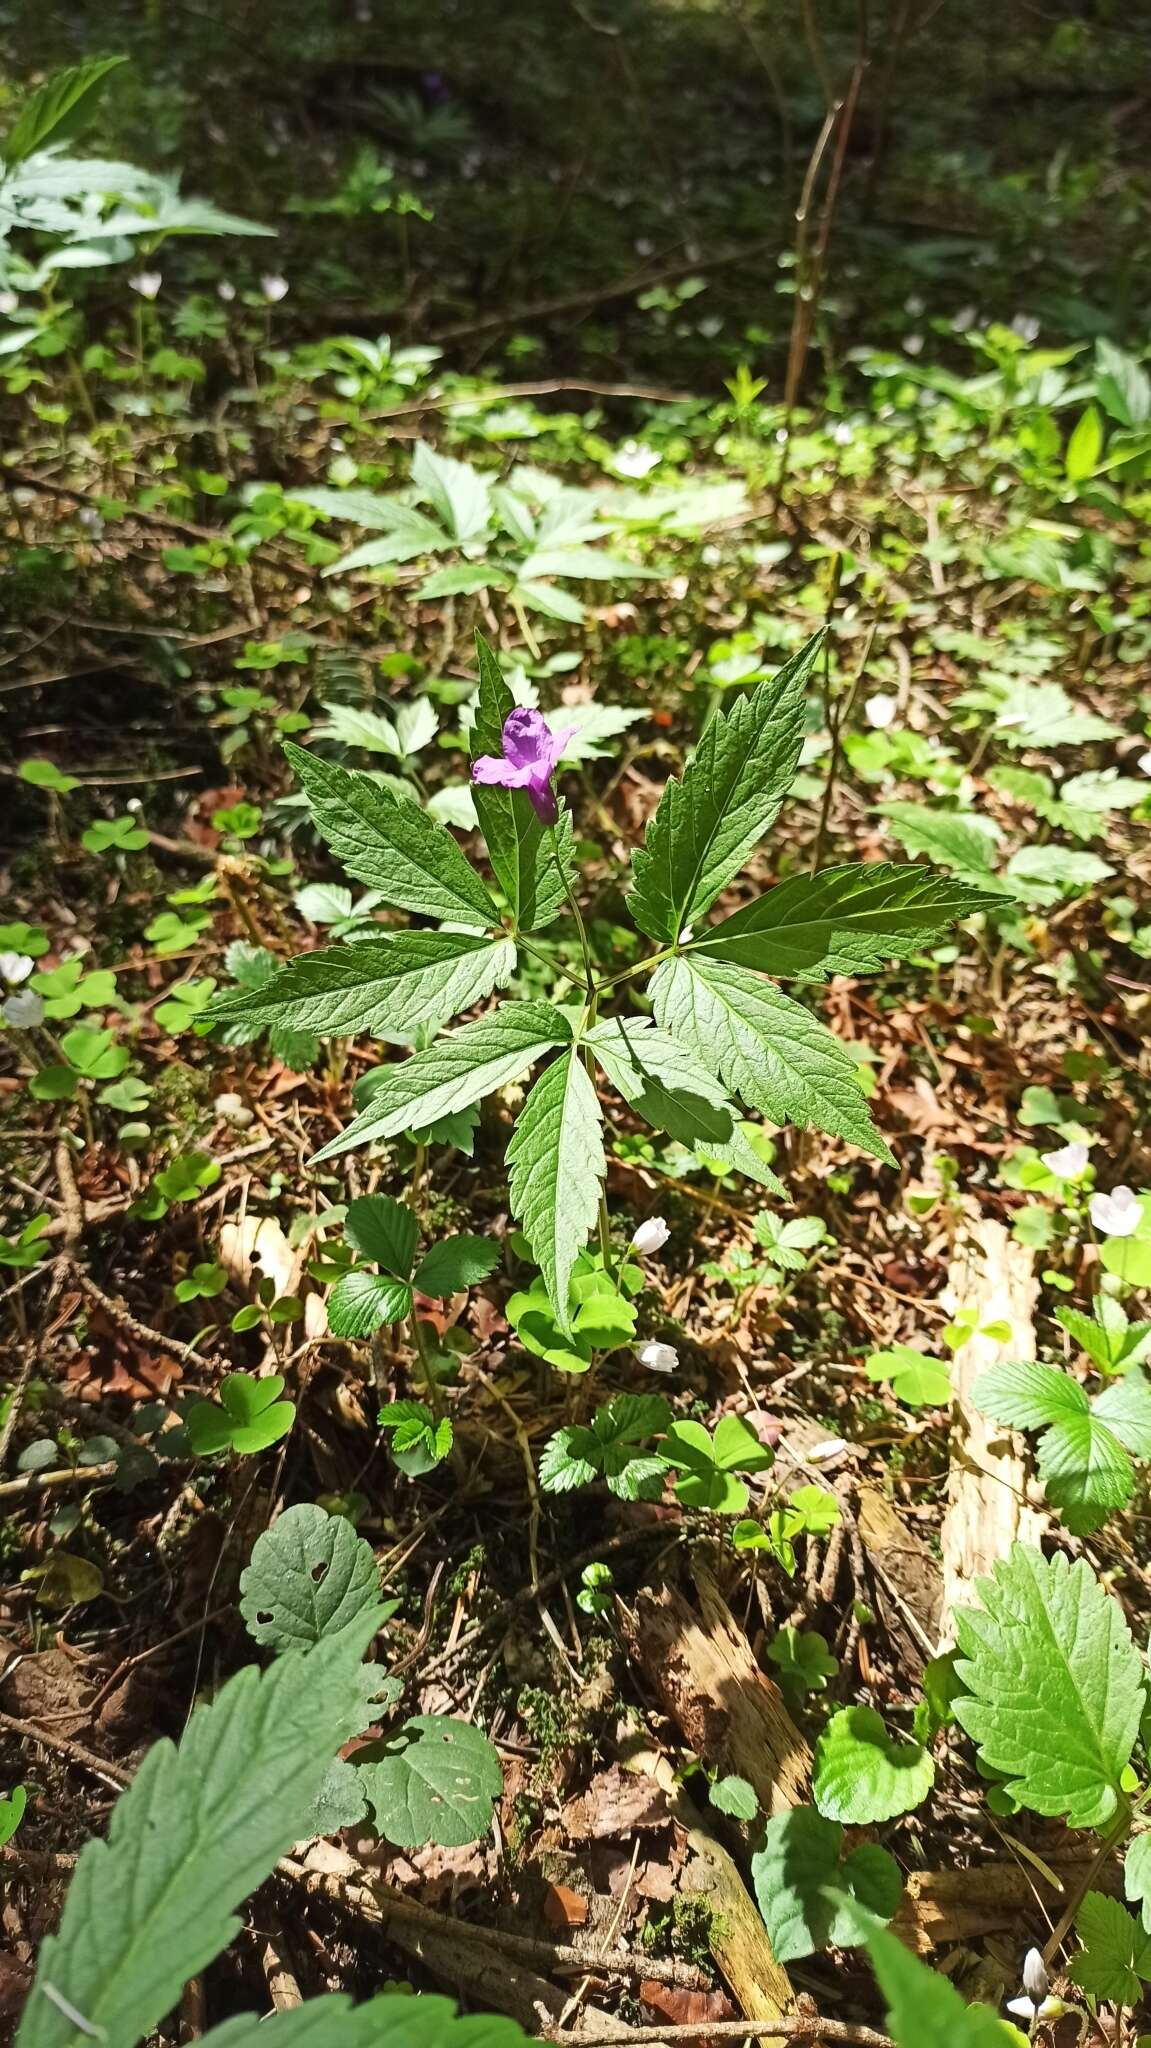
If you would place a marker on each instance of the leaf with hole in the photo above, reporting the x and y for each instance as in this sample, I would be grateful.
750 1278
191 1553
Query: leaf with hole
437 1783
309 1578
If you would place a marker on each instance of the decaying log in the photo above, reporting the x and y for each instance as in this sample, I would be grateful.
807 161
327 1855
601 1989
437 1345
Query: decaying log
944 1906
737 1937
987 1509
701 1669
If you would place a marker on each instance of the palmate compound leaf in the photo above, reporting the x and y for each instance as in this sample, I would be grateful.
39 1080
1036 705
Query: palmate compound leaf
198 1828
384 1231
769 1050
394 2020
437 1784
455 1071
581 1453
800 1881
391 844
389 988
310 1577
1115 1960
924 2010
846 920
863 1774
1083 1452
526 856
668 1085
705 826
1052 1685
556 1167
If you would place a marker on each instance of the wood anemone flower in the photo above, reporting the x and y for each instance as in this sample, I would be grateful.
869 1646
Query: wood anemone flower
531 755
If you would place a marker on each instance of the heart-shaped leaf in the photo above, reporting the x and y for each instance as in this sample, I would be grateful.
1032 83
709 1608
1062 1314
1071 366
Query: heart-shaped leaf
863 1774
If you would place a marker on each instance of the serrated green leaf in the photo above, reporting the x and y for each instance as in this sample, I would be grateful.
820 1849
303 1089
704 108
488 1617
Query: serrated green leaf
577 1455
437 1785
199 1827
361 1303
556 1167
847 920
1028 1396
1125 1407
309 1578
769 1050
924 2010
457 1070
383 1230
863 1774
394 2020
392 845
455 1263
458 493
964 841
1115 1960
663 1081
706 825
526 856
1053 1685
1085 1471
58 108
799 1884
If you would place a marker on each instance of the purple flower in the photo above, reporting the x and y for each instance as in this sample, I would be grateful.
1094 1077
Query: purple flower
531 754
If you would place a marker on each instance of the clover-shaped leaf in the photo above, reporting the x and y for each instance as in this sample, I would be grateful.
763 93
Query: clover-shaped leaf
249 1417
921 1381
708 1464
436 1784
186 1176
124 834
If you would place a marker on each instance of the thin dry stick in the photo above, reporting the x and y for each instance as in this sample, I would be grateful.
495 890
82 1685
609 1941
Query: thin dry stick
127 1321
30 1731
794 2027
69 1479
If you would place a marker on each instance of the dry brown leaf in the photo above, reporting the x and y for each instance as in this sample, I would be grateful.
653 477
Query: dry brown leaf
615 1803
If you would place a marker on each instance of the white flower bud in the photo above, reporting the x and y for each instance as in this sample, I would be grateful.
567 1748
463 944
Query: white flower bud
1035 1978
650 1237
1117 1214
1068 1163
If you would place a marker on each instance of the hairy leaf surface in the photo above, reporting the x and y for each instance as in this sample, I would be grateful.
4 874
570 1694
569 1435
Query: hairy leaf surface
392 845
847 920
769 1050
389 988
705 826
556 1166
458 1069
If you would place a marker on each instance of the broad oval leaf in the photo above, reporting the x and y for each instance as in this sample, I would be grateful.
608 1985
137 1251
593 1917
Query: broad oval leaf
309 1578
862 1774
383 1230
439 1785
1053 1685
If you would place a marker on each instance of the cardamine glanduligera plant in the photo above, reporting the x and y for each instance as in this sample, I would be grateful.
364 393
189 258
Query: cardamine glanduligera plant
721 1032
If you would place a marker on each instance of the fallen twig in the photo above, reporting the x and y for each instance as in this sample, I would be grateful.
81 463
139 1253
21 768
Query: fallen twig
127 1321
795 2027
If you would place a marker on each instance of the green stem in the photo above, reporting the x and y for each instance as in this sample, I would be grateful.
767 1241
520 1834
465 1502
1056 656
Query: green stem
594 991
585 949
432 1387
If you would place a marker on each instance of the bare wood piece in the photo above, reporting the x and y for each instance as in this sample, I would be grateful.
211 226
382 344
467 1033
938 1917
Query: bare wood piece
702 1670
987 1509
738 1940
799 2027
941 1907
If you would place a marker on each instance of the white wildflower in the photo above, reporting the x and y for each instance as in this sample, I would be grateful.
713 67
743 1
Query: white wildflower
1068 1163
879 711
225 291
16 966
146 282
274 287
1117 1214
657 1357
233 1109
650 1237
23 1010
842 434
913 344
1144 764
635 459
